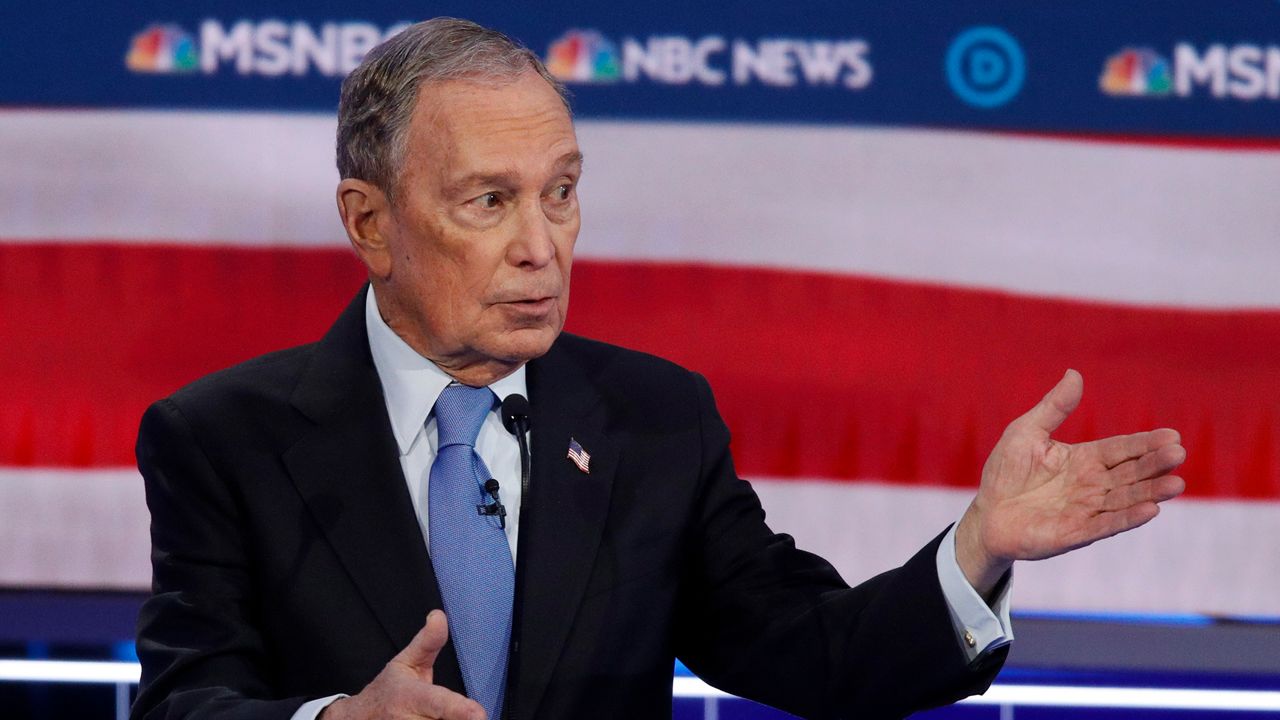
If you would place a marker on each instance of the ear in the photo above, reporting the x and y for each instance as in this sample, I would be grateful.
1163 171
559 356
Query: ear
366 215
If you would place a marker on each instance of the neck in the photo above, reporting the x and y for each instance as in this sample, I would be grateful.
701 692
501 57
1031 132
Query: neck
466 368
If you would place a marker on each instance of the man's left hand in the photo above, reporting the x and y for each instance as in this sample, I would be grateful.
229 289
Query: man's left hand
1040 497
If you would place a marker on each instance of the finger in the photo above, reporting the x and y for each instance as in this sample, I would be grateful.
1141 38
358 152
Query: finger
422 650
1154 490
1108 524
1160 461
1120 448
435 701
1054 408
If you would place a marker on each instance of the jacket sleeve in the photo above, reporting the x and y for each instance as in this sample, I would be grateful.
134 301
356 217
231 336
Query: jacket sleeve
767 621
201 653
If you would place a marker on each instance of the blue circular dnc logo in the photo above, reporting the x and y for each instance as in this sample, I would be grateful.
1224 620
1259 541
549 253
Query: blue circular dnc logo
985 66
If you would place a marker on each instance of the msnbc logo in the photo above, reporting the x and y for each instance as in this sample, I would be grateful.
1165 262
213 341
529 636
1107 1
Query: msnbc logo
1137 72
162 49
269 48
583 56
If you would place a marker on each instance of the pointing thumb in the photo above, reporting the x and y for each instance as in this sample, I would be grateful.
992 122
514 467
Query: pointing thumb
422 650
1054 408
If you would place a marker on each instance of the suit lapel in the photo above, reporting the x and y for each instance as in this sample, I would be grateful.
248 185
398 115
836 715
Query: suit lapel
562 525
347 470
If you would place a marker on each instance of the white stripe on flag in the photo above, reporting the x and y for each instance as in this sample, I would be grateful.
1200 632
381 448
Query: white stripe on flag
89 529
68 528
1199 556
1100 221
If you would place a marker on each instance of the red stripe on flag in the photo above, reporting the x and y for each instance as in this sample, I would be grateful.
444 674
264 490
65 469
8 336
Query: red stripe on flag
94 333
818 375
847 377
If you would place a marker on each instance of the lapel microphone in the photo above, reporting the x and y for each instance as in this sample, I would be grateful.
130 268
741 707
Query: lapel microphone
497 508
515 418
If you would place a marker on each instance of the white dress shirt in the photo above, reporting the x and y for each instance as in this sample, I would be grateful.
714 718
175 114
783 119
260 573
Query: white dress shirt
410 386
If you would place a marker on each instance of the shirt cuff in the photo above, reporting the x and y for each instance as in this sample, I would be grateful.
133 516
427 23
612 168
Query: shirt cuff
311 709
980 628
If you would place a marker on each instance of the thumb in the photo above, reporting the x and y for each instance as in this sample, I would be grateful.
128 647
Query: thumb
1054 408
422 650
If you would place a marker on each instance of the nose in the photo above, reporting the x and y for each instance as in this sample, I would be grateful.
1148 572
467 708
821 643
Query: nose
533 245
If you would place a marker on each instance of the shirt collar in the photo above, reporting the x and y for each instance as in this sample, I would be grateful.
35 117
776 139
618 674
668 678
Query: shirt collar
410 382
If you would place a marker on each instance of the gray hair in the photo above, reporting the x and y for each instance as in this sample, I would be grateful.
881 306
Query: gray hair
379 96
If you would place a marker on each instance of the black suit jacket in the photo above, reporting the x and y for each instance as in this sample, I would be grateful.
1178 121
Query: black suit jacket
288 563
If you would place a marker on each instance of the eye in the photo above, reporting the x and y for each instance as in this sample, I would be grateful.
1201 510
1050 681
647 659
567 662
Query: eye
488 201
562 192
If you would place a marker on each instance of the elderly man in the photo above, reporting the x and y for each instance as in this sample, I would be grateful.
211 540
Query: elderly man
345 529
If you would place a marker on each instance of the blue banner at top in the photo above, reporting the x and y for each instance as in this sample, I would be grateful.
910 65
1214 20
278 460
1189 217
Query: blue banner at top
1206 68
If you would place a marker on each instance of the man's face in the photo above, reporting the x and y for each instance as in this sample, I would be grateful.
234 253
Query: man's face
481 232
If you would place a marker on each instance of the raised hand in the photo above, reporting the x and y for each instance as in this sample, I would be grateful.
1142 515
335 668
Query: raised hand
405 687
1039 497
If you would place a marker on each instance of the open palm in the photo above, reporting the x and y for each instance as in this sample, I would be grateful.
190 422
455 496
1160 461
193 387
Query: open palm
1040 497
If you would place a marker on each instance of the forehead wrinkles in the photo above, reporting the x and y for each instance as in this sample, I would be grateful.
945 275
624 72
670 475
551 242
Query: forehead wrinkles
504 138
479 122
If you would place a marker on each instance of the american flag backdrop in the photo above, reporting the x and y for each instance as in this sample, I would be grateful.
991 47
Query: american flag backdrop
874 284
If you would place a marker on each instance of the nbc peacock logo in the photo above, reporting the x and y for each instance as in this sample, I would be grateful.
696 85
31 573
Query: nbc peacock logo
584 56
1136 72
162 49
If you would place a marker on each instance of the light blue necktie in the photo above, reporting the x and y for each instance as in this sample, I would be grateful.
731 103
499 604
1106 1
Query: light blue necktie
469 551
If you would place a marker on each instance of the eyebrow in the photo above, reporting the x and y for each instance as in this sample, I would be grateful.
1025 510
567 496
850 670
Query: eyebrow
573 158
505 178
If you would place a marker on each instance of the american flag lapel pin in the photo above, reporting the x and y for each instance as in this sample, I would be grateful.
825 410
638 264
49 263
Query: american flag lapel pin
579 457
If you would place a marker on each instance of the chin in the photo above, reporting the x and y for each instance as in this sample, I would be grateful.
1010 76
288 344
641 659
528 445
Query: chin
526 344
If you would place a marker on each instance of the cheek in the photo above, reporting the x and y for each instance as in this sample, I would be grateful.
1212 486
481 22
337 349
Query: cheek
456 266
565 240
